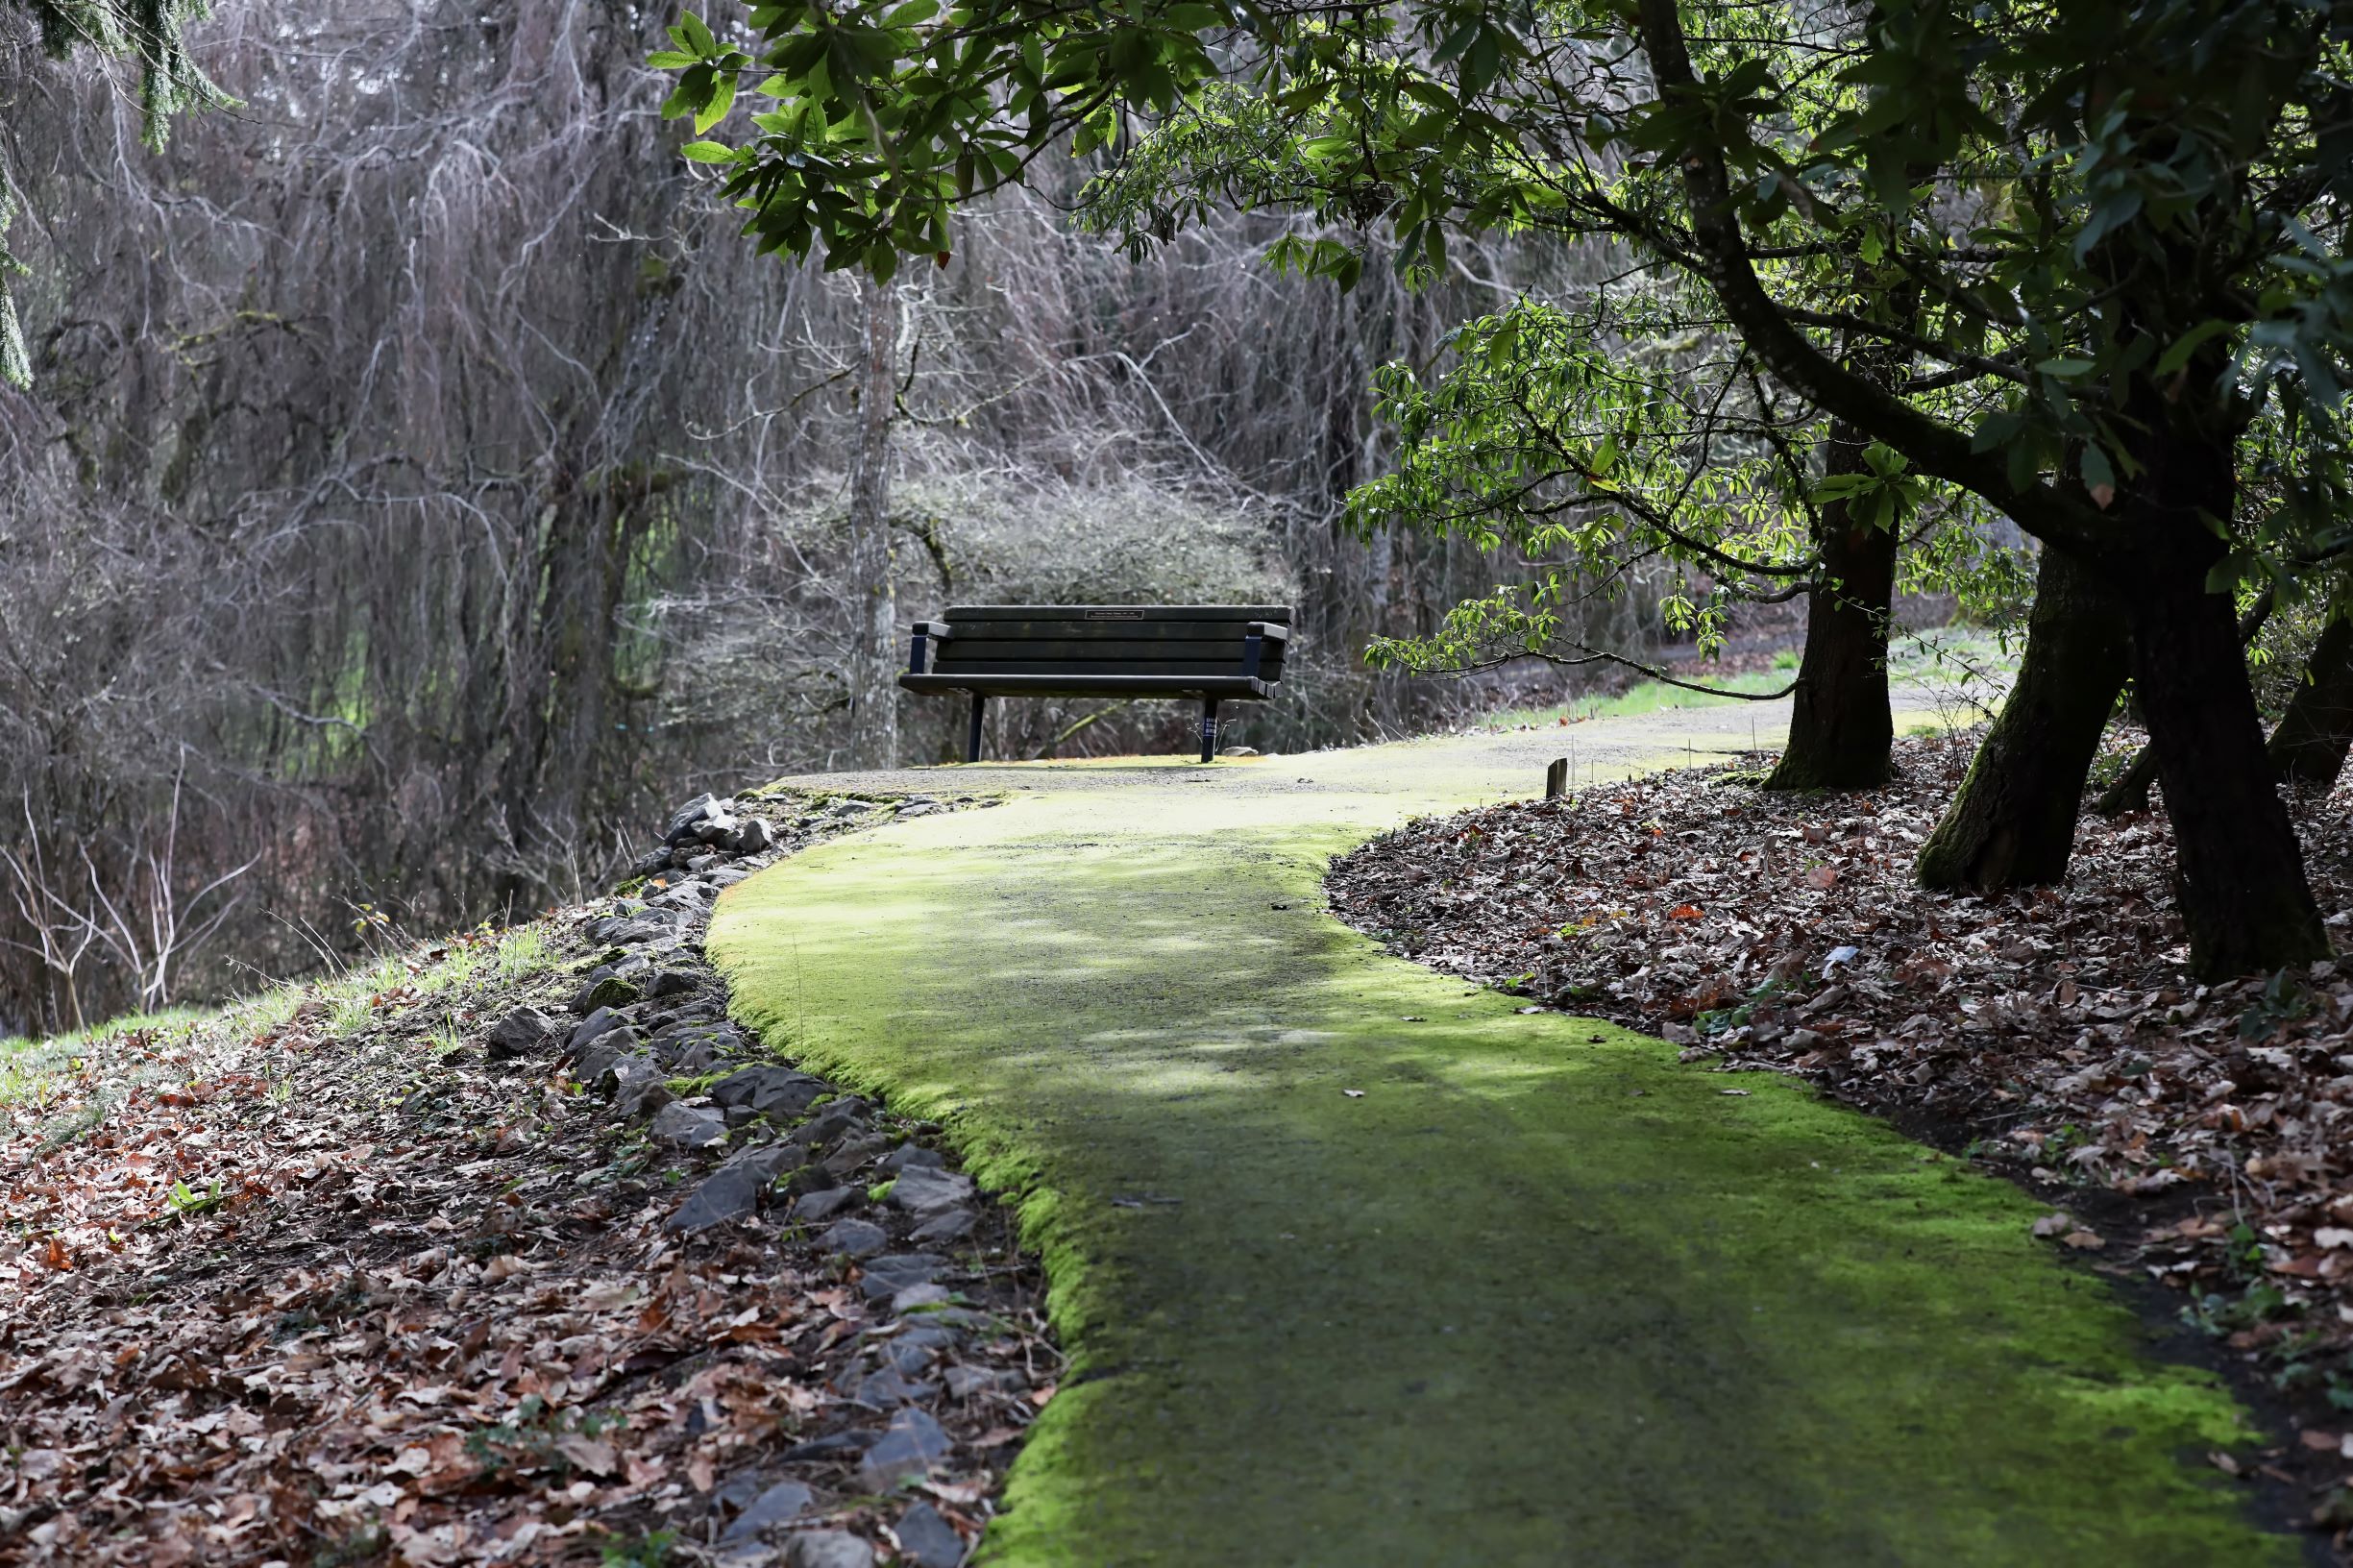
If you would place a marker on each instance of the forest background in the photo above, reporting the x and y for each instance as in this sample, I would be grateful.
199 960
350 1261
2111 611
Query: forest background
419 485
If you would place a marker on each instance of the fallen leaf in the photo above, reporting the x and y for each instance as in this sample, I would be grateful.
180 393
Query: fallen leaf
1354 1093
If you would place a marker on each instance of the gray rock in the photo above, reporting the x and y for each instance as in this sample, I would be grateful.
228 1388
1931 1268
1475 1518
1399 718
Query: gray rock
904 1355
767 1091
920 1295
928 1336
650 862
751 837
927 1540
913 1154
926 1191
730 1193
887 1386
827 1549
964 1381
649 927
727 878
593 1064
889 1275
693 1058
921 808
826 1125
854 1238
605 991
701 863
810 1208
682 824
720 826
647 1096
779 1505
688 1126
676 982
595 1025
856 1153
523 1032
911 1445
947 1226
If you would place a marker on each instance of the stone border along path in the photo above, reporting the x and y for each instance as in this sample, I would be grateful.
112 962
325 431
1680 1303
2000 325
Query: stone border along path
1358 1266
923 1374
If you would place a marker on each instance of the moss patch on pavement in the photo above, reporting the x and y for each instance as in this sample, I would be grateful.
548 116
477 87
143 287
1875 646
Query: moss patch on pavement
1537 1293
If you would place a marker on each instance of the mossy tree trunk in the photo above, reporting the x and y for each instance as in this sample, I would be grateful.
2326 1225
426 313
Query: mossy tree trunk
2309 746
2013 823
1840 729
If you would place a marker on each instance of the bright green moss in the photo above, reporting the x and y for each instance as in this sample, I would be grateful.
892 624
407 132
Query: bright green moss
1541 1295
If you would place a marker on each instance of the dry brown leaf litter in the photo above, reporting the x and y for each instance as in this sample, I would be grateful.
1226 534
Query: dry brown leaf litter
309 1294
2055 1032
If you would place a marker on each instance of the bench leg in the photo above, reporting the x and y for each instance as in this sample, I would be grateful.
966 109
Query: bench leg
1209 727
971 740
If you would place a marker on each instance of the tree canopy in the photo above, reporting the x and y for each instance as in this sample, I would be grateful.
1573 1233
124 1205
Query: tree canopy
2059 259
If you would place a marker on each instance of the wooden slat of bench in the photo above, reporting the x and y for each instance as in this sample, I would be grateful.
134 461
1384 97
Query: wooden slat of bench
1097 614
1087 647
1226 688
1090 667
1090 632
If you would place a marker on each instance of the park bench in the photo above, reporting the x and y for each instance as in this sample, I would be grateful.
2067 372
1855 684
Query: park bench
1209 653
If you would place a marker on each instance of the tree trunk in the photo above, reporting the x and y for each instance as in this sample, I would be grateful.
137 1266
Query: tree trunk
2238 868
2013 824
1840 729
2309 746
874 688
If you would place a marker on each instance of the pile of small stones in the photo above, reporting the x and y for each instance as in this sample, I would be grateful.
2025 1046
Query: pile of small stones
851 1191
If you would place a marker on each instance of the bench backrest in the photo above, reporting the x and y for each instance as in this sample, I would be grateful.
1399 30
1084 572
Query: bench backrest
1109 639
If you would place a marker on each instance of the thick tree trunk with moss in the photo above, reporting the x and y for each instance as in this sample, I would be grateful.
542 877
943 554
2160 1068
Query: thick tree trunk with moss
1840 729
2013 824
2309 746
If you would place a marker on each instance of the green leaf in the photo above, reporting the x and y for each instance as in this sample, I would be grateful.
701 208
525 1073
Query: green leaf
722 99
2188 344
709 152
2099 477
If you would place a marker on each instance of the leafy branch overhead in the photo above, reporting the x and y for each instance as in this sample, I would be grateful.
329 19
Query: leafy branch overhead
1991 157
152 34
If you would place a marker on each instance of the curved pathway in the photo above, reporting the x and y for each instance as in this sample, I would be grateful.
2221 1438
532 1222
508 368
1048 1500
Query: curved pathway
1539 1295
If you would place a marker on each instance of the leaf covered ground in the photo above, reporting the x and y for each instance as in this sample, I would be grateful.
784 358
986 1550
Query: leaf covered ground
2192 1135
340 1277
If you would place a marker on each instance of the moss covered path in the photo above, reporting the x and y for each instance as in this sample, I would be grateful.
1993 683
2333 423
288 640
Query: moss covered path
1538 1294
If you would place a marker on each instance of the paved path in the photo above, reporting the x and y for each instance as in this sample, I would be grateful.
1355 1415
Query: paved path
1540 1295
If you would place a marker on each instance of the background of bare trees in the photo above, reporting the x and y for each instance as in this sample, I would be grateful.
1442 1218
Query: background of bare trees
421 485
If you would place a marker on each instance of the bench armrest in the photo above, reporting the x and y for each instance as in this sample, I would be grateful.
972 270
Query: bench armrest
926 632
1272 630
1258 634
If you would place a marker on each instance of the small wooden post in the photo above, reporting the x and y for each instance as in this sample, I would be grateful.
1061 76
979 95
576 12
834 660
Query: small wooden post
1555 778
